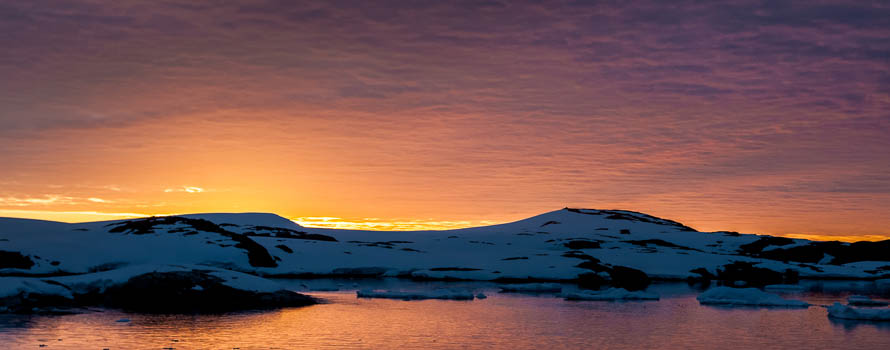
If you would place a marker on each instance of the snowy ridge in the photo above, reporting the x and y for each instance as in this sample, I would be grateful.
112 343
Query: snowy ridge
598 247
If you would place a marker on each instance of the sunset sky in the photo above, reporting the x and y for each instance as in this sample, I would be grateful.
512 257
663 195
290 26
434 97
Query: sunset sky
751 116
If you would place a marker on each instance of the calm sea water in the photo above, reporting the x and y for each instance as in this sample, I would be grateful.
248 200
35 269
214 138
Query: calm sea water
502 321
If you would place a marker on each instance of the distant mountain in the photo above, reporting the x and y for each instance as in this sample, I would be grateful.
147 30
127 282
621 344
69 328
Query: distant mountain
586 246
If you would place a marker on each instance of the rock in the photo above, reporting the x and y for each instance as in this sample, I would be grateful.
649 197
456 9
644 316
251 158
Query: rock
755 276
591 280
257 255
175 292
628 278
578 244
14 260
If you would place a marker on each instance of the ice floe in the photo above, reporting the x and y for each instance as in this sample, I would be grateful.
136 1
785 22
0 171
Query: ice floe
838 310
611 294
862 300
746 297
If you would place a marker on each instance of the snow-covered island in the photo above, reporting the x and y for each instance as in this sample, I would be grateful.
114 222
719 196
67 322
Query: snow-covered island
177 262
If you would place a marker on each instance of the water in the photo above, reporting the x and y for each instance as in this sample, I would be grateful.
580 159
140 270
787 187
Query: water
502 321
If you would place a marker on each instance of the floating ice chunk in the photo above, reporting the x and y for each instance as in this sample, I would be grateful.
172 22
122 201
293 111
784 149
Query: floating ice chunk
862 300
449 294
854 313
746 297
532 288
481 296
123 320
784 288
611 294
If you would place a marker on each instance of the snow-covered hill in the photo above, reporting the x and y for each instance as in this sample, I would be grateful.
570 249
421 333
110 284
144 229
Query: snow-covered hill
592 247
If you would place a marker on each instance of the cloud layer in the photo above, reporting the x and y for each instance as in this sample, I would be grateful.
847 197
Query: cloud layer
759 116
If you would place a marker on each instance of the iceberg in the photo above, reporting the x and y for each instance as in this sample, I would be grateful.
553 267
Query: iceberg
746 297
846 312
611 294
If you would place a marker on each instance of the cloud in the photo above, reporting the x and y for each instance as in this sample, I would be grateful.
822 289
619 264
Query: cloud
188 189
68 216
45 200
49 200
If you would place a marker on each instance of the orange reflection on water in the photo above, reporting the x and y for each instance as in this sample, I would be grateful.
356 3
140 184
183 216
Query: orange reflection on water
499 322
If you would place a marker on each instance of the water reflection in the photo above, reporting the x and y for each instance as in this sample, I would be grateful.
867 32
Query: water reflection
505 321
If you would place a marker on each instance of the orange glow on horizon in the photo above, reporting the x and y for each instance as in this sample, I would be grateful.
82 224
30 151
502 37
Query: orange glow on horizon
368 224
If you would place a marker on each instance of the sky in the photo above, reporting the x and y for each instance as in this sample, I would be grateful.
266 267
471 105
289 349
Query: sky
750 116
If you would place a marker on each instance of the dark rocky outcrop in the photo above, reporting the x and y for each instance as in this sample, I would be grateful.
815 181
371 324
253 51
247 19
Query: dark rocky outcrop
628 278
280 232
764 241
359 272
632 216
814 252
257 255
191 292
619 276
579 244
551 222
660 243
14 260
741 271
590 280
195 291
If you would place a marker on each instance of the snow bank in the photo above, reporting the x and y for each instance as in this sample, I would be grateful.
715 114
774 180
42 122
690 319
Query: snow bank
24 286
853 313
862 300
98 282
243 281
746 297
532 288
611 294
448 294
